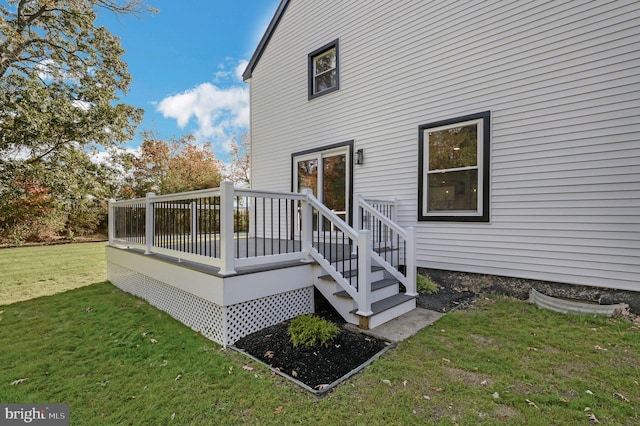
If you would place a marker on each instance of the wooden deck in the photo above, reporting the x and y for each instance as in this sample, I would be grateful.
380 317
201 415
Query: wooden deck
228 261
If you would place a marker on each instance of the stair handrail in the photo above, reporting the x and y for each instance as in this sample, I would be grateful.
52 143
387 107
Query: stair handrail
362 239
384 219
334 218
409 235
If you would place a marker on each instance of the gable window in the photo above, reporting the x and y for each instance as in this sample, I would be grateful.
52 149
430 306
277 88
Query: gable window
454 169
324 70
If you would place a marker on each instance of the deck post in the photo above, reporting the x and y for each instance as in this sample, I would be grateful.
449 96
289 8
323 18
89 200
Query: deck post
365 246
394 212
149 223
111 221
306 225
227 255
357 216
410 285
194 223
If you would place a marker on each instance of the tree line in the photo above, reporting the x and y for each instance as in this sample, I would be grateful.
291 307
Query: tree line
61 81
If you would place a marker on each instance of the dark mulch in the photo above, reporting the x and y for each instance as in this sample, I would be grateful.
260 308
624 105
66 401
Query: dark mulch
322 365
446 299
316 366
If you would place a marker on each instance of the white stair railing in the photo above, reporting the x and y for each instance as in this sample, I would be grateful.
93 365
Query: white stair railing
329 240
397 245
380 234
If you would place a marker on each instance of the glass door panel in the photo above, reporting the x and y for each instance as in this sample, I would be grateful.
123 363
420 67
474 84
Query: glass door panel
307 178
334 184
325 173
308 175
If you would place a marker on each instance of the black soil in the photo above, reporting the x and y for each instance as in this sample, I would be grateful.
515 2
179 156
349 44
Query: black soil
320 365
316 366
446 299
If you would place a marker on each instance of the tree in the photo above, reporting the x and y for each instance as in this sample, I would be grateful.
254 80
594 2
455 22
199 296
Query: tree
178 165
60 79
240 169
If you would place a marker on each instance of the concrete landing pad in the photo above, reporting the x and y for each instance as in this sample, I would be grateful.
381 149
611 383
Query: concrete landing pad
404 326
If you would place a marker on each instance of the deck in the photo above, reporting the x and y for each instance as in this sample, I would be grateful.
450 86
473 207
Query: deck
230 261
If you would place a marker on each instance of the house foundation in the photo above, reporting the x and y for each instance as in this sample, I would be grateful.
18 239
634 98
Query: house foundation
520 288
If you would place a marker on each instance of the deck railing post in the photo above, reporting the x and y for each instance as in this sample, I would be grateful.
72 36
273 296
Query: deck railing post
194 223
148 222
112 221
251 212
357 216
394 217
357 212
410 285
227 254
394 211
364 272
306 231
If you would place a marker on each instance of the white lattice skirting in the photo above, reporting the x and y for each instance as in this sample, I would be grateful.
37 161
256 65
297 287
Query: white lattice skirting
224 325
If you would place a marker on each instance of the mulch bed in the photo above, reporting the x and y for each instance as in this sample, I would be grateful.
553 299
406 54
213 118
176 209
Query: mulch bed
319 366
446 299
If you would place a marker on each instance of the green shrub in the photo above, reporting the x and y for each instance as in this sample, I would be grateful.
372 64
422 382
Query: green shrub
310 330
425 285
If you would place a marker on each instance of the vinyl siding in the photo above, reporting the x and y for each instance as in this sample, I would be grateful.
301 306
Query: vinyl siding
562 82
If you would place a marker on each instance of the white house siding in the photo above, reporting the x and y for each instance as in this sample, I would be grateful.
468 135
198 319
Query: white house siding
562 82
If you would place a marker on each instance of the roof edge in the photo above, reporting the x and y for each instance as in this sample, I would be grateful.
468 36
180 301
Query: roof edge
265 40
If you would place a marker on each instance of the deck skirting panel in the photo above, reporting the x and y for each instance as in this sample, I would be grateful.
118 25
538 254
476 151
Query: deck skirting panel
222 324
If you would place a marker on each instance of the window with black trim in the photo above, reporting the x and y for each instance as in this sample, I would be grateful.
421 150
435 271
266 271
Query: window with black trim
454 169
324 70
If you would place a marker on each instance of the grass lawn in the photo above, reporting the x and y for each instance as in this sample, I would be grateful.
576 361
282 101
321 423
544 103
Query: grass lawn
28 272
117 360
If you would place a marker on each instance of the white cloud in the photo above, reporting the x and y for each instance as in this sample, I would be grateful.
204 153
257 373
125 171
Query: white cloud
47 69
220 111
216 110
231 71
83 105
107 157
242 65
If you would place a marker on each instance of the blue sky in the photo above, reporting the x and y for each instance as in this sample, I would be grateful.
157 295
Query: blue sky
186 62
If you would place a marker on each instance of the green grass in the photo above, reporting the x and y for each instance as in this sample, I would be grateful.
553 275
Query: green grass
28 272
92 347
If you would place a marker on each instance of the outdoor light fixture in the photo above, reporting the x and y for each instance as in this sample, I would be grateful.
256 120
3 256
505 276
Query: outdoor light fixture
360 156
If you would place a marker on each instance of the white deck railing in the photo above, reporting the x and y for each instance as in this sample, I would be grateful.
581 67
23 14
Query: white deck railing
231 228
393 246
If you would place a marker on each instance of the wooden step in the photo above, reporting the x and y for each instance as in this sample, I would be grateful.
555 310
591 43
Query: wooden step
384 249
386 310
349 274
388 303
377 285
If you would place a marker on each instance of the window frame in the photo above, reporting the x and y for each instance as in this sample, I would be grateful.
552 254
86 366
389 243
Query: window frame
481 214
311 69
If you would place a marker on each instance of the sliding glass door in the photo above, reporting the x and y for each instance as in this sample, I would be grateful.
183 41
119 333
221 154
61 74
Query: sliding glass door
326 173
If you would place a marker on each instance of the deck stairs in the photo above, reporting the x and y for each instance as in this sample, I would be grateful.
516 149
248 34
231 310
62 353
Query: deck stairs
388 299
360 269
